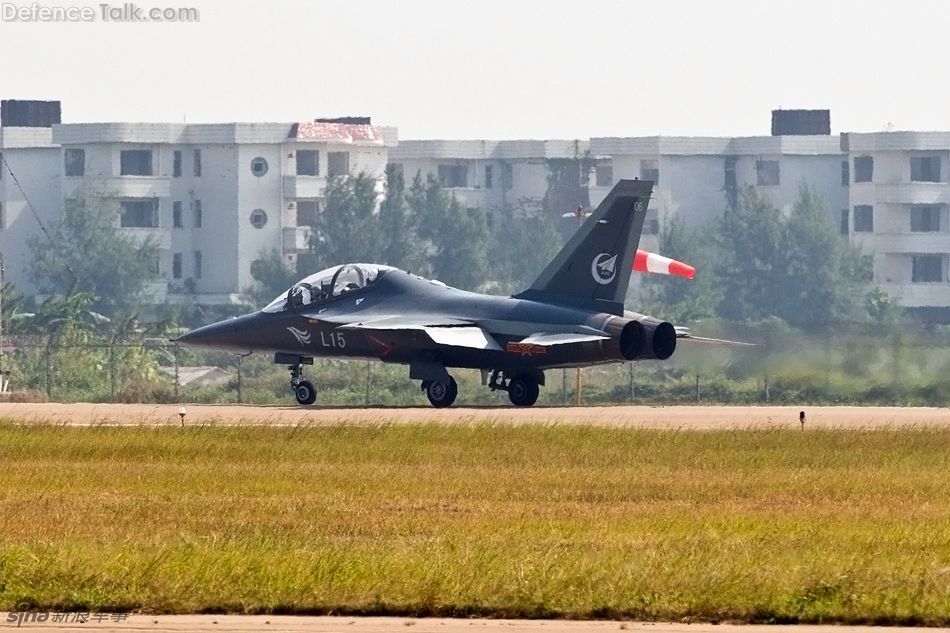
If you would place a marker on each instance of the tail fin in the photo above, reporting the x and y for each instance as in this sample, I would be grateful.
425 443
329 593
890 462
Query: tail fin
593 269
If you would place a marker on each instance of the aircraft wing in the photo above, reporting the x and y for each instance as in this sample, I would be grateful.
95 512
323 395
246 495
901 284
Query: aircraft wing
442 330
401 323
684 334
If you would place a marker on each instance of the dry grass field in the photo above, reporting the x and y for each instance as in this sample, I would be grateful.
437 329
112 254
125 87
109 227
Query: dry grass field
502 520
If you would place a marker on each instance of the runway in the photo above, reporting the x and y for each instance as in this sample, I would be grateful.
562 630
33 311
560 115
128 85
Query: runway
255 623
674 417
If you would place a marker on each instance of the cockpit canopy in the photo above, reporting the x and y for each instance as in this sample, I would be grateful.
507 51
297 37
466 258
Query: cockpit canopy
327 284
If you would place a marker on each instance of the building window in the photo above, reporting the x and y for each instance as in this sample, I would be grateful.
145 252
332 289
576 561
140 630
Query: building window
135 162
507 176
258 166
308 162
453 175
176 266
197 265
845 173
75 162
196 163
863 218
258 218
489 180
176 164
197 211
307 211
176 215
605 175
155 265
925 218
139 214
767 173
650 170
338 163
927 268
729 181
863 168
925 168
845 223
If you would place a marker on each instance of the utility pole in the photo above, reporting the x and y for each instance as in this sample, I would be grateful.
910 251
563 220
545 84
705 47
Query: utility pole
3 374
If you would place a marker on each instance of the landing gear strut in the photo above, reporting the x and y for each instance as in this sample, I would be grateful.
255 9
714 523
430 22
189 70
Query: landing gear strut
523 388
439 393
304 391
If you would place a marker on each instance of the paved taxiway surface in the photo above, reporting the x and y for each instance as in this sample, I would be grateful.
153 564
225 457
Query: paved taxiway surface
685 417
247 623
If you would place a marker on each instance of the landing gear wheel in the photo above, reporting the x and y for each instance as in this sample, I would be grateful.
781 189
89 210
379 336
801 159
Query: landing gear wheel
441 394
305 392
523 391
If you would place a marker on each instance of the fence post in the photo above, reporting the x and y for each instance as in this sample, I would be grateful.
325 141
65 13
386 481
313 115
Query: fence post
176 372
697 388
633 388
112 371
564 387
49 368
368 369
240 390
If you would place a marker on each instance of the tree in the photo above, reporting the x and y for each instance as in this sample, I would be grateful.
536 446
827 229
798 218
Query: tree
521 247
400 245
87 251
822 279
678 298
454 239
347 230
749 260
272 276
798 269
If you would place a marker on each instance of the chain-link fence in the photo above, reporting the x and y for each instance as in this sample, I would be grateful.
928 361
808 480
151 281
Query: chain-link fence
859 366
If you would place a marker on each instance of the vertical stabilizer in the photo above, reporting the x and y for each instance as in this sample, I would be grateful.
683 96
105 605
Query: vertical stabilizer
593 269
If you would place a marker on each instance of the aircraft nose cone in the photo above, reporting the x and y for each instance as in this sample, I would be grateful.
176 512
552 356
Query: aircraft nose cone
231 334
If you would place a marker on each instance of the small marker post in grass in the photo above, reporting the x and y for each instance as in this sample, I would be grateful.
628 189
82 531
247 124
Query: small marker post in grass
801 419
181 414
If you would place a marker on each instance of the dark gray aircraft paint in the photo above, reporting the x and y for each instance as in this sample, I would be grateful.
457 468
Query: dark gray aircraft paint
571 316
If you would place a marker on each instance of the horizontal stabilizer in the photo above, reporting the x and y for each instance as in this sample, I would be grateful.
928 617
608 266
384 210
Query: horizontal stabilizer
545 339
683 334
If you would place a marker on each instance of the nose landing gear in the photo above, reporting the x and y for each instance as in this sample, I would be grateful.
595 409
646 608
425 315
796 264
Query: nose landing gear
304 391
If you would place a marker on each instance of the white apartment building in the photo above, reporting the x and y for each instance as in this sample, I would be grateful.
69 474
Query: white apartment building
34 159
694 176
490 175
214 197
898 212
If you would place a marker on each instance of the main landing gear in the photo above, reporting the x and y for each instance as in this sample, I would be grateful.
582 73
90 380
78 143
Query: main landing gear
304 391
523 388
441 394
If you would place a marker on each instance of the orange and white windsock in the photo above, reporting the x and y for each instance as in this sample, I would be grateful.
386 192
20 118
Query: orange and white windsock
652 263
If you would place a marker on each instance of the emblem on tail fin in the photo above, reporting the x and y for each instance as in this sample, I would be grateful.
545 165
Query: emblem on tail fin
604 268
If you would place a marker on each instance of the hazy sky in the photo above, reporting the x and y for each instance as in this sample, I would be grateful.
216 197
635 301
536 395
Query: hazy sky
498 68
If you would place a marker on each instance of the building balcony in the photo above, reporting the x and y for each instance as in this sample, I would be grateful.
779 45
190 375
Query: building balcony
901 193
304 186
910 243
122 186
162 238
296 239
919 295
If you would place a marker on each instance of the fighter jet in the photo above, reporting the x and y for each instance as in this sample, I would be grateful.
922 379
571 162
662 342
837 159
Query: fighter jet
573 315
